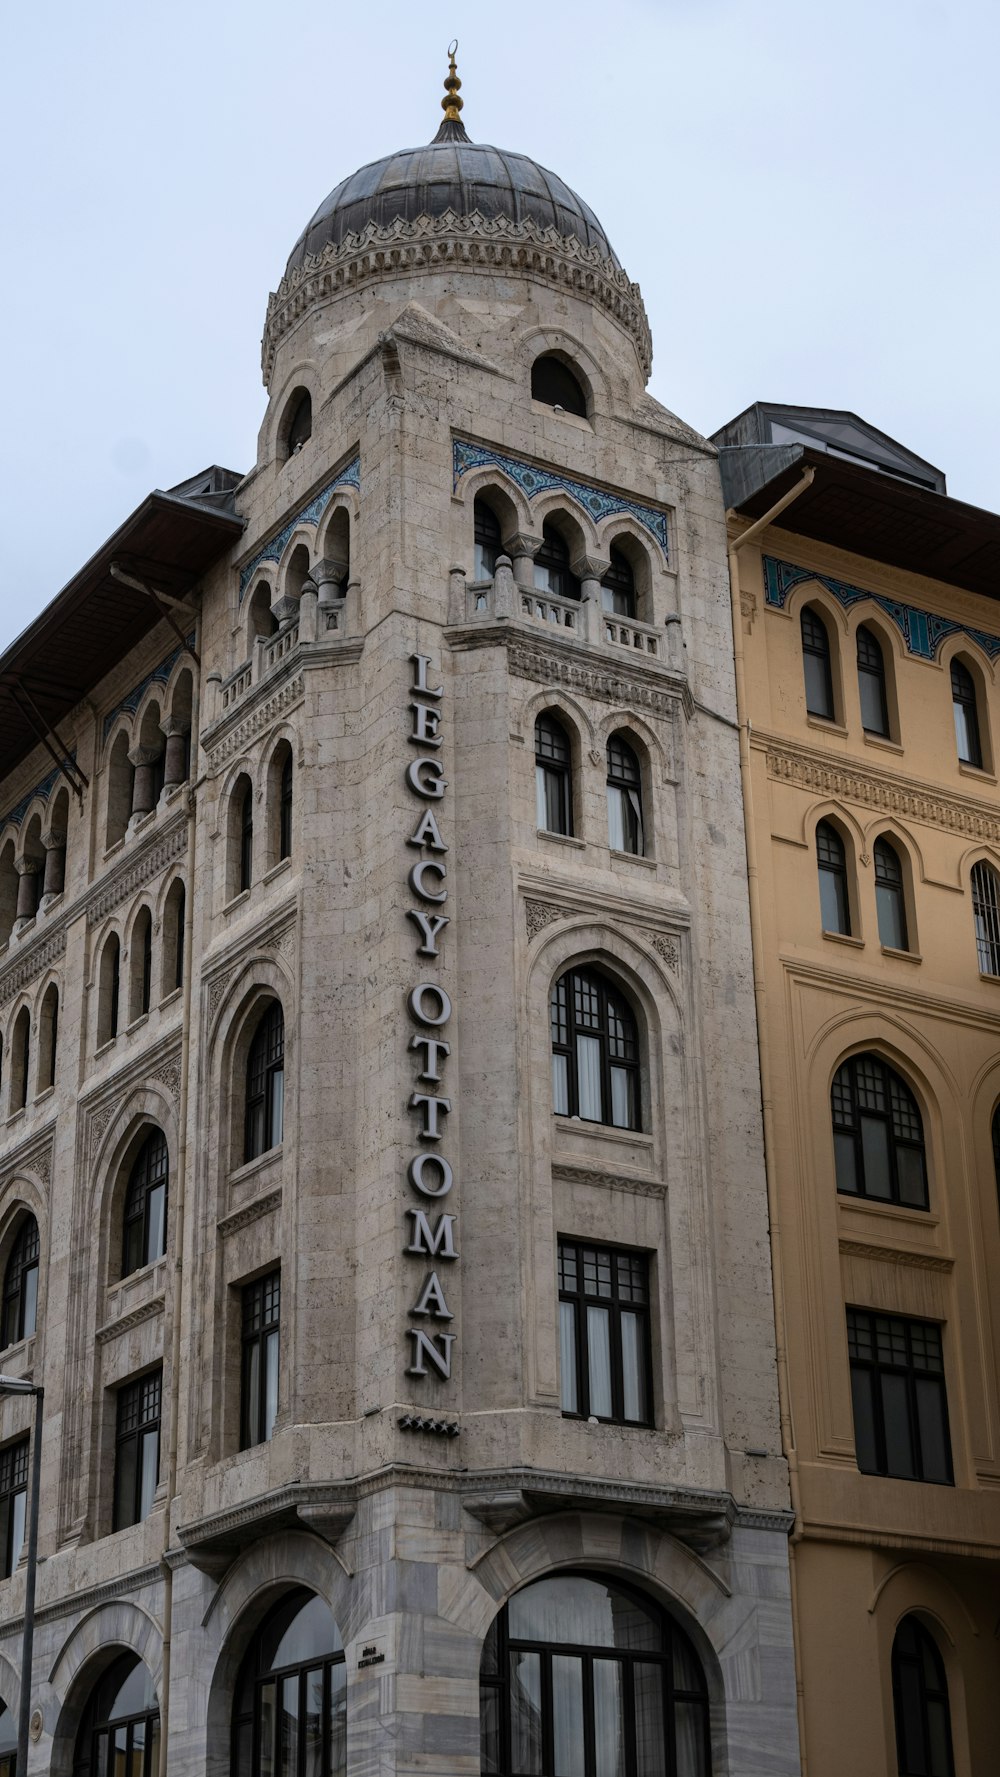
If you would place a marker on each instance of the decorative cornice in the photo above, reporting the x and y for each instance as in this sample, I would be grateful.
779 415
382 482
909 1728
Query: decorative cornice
876 789
455 243
159 676
83 1602
599 502
160 849
922 631
135 1317
42 790
310 513
609 1181
223 741
896 1255
250 1212
27 963
34 1156
559 664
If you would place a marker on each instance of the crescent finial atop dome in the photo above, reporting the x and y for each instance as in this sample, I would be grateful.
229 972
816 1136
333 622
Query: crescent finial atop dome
452 129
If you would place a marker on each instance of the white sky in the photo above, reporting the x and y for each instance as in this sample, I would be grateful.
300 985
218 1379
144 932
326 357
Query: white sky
806 194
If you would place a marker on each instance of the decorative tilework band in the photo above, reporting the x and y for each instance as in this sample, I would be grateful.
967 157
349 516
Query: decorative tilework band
349 476
159 676
42 790
532 480
922 631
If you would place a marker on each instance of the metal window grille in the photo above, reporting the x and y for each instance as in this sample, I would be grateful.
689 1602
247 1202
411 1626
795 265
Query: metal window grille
986 916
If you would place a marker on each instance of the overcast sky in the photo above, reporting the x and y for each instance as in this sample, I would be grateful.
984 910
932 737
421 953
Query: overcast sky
806 194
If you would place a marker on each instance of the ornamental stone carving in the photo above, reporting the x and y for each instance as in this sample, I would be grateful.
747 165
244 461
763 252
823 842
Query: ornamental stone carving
538 915
667 948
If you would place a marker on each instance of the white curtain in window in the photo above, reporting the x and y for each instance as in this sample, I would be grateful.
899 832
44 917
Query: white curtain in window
560 1085
616 819
588 1078
567 1358
599 1361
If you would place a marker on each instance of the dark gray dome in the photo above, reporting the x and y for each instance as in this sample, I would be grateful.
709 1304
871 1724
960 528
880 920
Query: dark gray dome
456 175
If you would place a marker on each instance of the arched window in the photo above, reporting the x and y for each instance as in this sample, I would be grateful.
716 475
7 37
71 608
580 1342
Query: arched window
290 1710
20 1060
595 1051
120 1730
584 1676
553 382
618 586
878 1134
265 1093
172 966
920 1702
141 965
20 1284
964 705
553 776
8 1742
285 809
486 539
834 896
259 619
299 423
8 891
144 1231
889 896
552 572
986 916
241 837
871 683
280 792
48 1038
625 831
108 991
816 664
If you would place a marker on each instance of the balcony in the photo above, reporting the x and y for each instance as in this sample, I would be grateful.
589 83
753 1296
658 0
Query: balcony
311 625
577 620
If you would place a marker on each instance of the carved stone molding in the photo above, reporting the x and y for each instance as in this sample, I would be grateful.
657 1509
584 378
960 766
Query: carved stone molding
538 915
282 943
88 1599
896 1255
217 988
609 1181
169 1075
98 1125
221 744
450 242
34 1157
250 1212
874 789
140 869
163 1068
135 1317
667 948
549 665
30 962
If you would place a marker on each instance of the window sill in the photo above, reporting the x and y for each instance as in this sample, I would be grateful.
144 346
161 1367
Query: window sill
105 1047
602 1131
610 1424
633 857
845 938
884 742
899 1212
995 979
978 773
561 413
247 1168
14 1115
905 956
47 1092
277 869
169 998
237 901
561 839
136 1023
826 724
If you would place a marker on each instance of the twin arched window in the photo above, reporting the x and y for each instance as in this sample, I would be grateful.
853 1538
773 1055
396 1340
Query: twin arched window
554 787
265 1084
144 1228
878 1134
595 1051
20 1285
290 1713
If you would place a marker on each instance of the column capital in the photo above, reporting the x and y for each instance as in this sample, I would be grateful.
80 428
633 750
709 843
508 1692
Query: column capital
54 838
172 725
28 866
590 567
521 543
139 756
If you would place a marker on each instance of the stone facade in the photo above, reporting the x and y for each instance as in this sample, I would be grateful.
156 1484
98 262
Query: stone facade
414 1501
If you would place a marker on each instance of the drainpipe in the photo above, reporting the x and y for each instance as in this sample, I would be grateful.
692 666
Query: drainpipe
763 1046
178 1214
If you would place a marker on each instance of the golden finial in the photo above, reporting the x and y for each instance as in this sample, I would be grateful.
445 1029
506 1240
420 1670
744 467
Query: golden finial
451 104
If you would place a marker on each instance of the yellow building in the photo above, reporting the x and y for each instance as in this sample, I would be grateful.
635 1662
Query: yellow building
868 636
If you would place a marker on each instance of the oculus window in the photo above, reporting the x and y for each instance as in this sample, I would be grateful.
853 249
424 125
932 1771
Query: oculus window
878 1134
595 1051
604 1358
898 1392
290 1712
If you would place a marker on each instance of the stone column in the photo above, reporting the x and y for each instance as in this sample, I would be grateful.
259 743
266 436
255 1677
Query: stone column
28 871
522 550
143 759
308 604
590 571
504 588
53 880
330 576
175 757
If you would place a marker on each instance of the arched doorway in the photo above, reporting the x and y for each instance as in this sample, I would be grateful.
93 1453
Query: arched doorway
290 1713
583 1675
120 1730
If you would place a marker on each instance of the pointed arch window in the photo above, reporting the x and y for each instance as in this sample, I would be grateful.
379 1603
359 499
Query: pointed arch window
920 1701
553 777
245 817
871 683
595 1051
20 1284
890 898
816 664
290 1711
265 1085
144 1235
552 572
878 1134
965 707
986 916
625 828
618 586
486 539
285 808
834 889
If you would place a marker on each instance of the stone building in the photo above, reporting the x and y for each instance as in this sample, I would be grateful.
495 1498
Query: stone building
867 648
383 1204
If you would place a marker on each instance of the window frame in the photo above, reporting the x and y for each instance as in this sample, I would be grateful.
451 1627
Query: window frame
886 886
149 1170
286 792
551 769
14 1467
965 698
873 671
607 994
138 1391
909 1373
618 583
570 384
984 888
260 1334
624 780
265 1060
250 1682
833 868
552 558
487 540
916 1660
812 650
619 1306
245 839
23 1259
894 1141
97 1723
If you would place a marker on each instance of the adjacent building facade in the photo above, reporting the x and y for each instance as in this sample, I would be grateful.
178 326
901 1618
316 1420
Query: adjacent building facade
382 1202
867 639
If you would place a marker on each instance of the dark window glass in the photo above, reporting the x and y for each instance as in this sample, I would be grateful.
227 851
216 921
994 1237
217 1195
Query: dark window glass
246 837
552 570
604 1333
120 1731
114 990
618 586
52 1012
8 1742
553 382
582 1677
265 1094
487 541
834 899
816 665
900 1408
137 1449
553 777
595 1052
878 1134
920 1699
22 1061
144 1236
146 984
261 1303
300 425
13 1502
986 916
179 916
290 1712
889 896
20 1284
963 699
995 1131
285 812
871 683
624 798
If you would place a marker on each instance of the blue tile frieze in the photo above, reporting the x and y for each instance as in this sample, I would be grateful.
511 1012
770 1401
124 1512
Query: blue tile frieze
43 791
159 676
273 549
922 631
532 480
